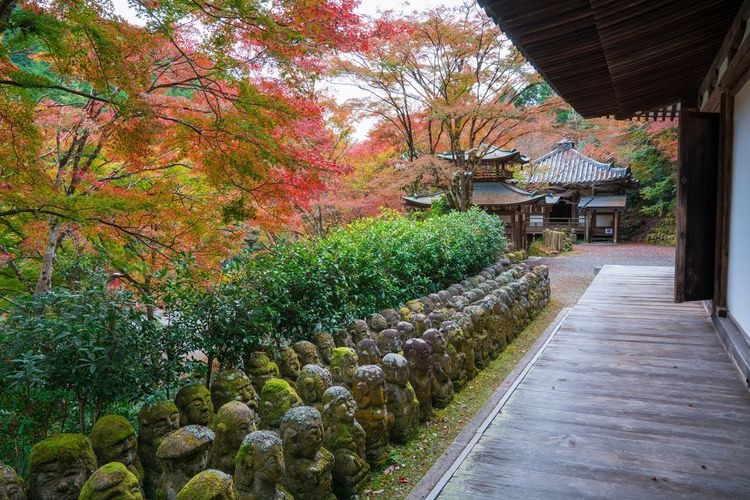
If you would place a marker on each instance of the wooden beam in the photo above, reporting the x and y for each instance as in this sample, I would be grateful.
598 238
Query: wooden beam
723 204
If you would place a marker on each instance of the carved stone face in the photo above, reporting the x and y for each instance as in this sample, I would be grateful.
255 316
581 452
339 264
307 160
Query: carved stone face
302 432
10 485
260 457
112 480
312 383
113 439
417 352
369 386
367 352
288 363
339 405
325 345
306 352
435 339
276 398
234 421
343 365
186 450
158 420
59 466
232 385
212 484
396 369
194 404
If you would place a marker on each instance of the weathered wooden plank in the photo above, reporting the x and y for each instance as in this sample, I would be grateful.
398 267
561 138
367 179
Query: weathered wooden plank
633 397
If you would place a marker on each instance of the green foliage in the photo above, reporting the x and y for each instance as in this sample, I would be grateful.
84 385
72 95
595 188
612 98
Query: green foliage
300 287
440 206
657 174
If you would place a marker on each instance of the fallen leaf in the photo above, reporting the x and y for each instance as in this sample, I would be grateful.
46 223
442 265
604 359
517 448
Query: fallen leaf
691 405
403 480
391 469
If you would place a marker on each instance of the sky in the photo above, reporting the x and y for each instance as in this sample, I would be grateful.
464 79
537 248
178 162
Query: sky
370 8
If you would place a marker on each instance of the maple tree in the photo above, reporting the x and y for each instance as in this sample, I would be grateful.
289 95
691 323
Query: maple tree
142 143
446 80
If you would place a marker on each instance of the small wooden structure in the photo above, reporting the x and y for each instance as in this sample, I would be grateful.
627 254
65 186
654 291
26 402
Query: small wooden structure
590 195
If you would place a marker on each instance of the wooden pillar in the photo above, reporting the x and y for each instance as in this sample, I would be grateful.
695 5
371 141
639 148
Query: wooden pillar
587 217
616 225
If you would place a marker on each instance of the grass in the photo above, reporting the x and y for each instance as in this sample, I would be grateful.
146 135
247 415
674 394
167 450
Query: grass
408 463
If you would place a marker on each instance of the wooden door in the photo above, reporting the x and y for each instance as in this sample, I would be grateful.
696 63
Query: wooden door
698 164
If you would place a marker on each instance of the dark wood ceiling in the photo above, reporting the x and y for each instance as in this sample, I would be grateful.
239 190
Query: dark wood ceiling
618 57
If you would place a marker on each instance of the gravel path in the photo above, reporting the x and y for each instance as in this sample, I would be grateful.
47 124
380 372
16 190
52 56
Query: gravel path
571 273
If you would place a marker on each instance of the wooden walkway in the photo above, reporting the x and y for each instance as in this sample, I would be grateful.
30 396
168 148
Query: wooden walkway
634 397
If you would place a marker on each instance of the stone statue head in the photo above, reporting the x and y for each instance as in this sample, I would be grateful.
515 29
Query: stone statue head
406 330
342 338
113 439
369 386
338 405
233 422
112 480
359 330
389 340
306 352
288 362
276 398
11 487
312 382
435 340
396 369
156 420
260 368
344 363
377 322
417 352
391 317
260 457
186 450
59 466
324 343
232 385
368 352
302 432
194 404
209 484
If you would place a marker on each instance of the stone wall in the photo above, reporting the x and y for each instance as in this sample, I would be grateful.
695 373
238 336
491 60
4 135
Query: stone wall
558 240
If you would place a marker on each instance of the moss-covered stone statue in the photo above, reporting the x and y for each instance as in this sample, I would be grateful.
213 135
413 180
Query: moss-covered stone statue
344 362
59 466
372 413
325 344
183 454
345 438
306 352
342 338
232 385
276 398
289 366
368 352
417 353
442 385
233 422
377 322
194 404
308 464
156 421
261 369
209 484
454 347
312 382
359 330
11 487
389 340
391 316
112 481
113 439
406 330
402 400
260 467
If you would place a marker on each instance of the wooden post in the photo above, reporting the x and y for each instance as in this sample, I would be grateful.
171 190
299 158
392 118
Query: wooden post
617 225
587 218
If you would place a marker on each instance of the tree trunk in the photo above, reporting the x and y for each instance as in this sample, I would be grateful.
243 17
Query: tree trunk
44 284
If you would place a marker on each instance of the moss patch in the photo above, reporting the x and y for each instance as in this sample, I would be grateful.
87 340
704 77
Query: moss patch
207 485
108 430
65 448
408 463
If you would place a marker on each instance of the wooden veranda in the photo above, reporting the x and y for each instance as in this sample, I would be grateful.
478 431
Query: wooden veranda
631 396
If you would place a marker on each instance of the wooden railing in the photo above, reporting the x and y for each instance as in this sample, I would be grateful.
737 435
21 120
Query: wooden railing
535 227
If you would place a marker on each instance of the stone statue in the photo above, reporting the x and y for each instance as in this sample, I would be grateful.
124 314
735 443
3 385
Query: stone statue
368 352
306 352
312 382
402 400
325 344
11 487
343 338
233 422
156 421
391 317
377 322
112 481
454 347
345 438
194 404
59 466
359 330
113 440
308 464
260 468
276 398
209 484
232 385
289 366
417 353
372 414
389 340
406 330
442 385
261 369
420 322
344 362
182 454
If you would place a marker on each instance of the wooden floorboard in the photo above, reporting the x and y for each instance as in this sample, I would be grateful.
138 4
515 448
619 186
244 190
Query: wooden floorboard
634 397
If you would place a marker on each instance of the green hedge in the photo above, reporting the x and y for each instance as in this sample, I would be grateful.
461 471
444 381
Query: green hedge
300 287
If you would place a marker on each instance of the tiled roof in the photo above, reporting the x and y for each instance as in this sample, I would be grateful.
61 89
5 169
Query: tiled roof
490 154
566 165
484 194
